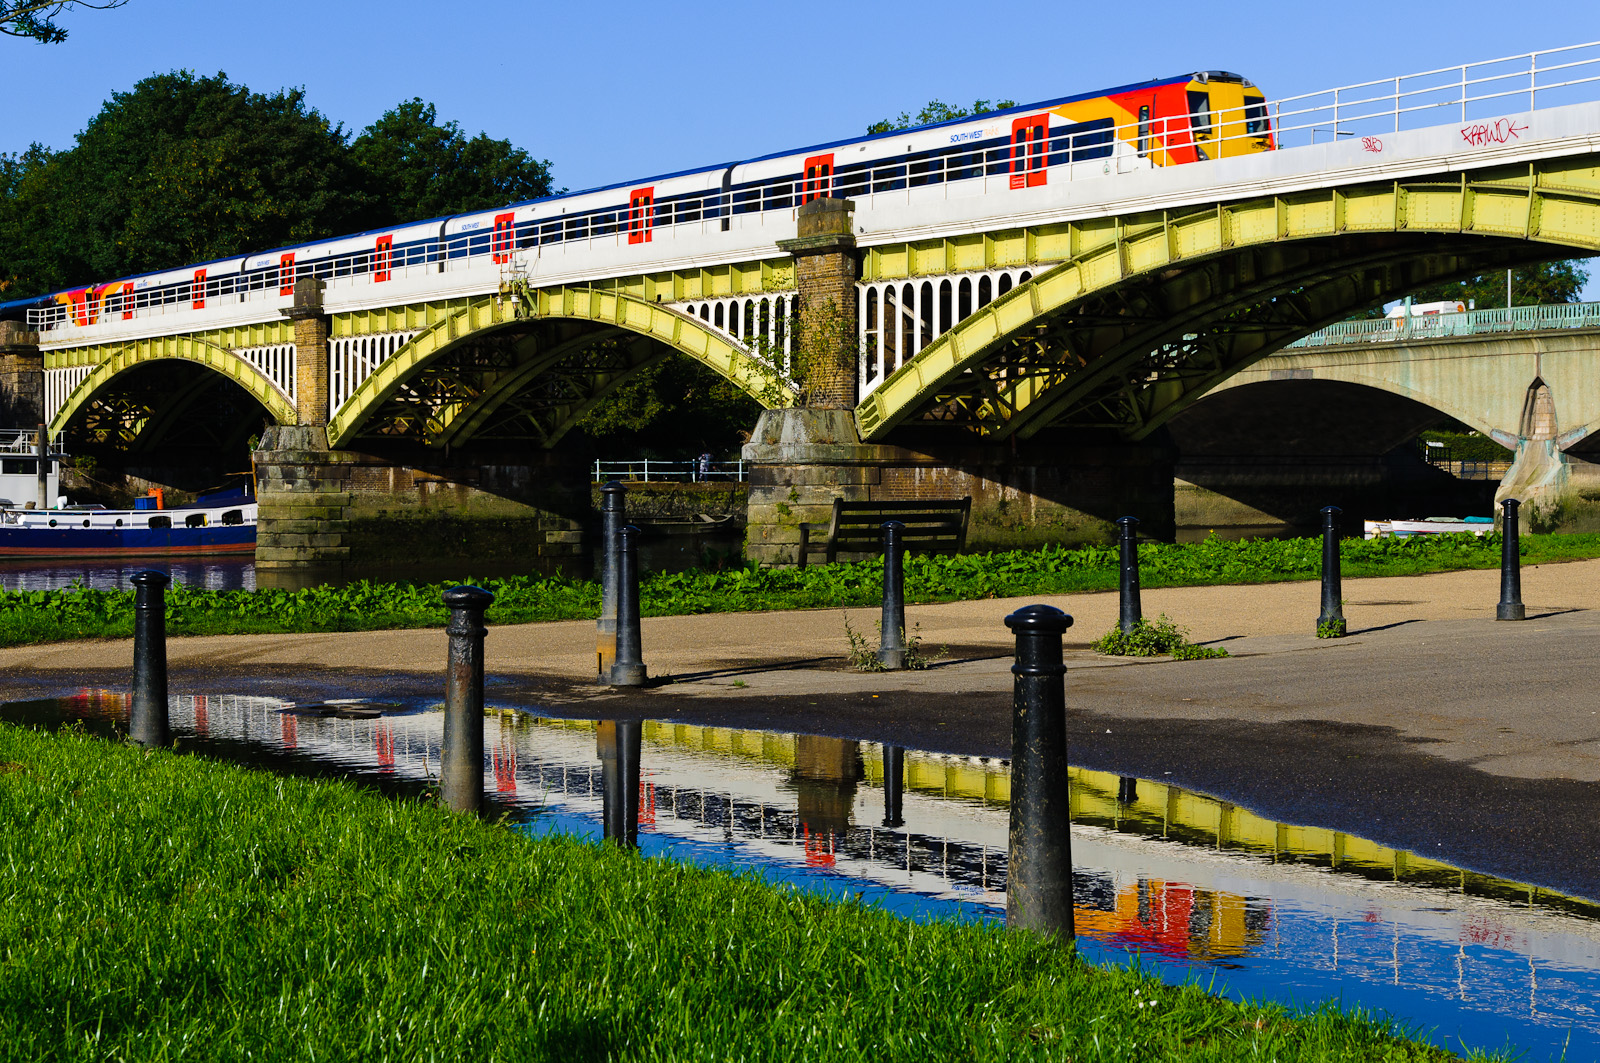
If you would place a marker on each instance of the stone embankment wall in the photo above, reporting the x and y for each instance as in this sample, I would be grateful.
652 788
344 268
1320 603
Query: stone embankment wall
681 503
321 506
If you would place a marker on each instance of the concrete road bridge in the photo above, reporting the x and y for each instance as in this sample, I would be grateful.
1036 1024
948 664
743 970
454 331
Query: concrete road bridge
1332 418
1016 323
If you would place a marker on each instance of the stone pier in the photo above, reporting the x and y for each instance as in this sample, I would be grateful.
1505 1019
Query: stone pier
1064 489
21 377
323 508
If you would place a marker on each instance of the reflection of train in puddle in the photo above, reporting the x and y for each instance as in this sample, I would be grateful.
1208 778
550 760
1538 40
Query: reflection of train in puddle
1185 880
927 824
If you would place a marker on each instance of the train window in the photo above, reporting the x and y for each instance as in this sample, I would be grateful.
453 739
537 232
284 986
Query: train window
1200 113
818 178
641 219
286 273
1255 116
383 259
1144 130
500 243
1028 136
197 289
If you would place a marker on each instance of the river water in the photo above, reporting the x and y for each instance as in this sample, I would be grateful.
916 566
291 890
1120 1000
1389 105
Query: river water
1193 887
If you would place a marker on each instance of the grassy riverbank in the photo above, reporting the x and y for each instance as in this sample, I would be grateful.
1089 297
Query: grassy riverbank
47 616
162 907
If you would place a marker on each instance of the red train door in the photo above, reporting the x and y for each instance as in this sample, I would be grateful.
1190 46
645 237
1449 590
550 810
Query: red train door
641 204
197 289
1028 139
286 274
818 182
383 259
500 243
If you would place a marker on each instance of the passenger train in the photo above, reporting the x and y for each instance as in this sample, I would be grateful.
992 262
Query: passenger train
1167 122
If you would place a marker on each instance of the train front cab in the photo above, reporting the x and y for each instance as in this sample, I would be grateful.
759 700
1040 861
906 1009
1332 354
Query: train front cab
1211 115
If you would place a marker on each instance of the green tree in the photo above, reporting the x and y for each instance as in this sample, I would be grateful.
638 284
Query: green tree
180 169
414 168
184 169
674 409
35 19
937 111
1546 282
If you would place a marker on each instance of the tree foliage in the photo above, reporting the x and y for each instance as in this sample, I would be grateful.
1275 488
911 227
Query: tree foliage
408 158
937 111
1540 284
185 169
36 19
675 409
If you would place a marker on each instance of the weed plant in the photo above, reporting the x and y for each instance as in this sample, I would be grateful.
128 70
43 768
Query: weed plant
863 658
1161 637
45 616
164 908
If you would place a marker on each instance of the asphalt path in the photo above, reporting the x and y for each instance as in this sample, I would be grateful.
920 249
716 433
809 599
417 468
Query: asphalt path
1432 728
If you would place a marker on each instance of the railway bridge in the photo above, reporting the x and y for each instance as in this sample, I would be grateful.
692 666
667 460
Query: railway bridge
1025 329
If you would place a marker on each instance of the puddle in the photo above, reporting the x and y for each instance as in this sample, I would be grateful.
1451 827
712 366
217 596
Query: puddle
1197 887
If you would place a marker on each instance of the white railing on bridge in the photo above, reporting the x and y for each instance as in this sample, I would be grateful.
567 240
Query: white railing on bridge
24 442
1438 326
1479 96
647 470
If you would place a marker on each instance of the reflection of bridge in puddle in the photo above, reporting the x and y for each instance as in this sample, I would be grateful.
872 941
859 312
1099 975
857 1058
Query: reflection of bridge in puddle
1187 880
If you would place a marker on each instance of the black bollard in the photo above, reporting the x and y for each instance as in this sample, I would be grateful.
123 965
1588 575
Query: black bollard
628 670
1331 621
147 722
1039 879
894 785
1132 611
617 742
1511 607
613 515
892 629
461 759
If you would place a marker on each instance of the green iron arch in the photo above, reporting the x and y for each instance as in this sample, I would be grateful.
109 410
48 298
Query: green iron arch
178 348
1168 304
605 314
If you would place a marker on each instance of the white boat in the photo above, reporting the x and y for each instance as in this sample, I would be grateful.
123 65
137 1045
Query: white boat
1383 529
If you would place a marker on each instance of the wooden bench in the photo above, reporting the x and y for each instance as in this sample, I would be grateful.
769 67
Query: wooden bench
932 526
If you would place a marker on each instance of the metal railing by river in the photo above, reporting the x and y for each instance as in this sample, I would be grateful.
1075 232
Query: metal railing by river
1196 886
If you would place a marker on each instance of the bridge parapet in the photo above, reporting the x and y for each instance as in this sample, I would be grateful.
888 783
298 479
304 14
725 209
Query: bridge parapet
1415 328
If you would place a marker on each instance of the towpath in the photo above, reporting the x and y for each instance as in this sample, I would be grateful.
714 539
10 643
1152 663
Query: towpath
1432 727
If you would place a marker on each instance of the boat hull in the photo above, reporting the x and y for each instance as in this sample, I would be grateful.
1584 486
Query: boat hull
125 542
209 530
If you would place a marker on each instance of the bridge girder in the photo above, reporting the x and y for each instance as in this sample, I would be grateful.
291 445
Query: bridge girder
210 351
1154 309
527 365
165 402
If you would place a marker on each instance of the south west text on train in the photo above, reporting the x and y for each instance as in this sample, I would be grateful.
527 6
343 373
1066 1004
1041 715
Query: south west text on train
1161 123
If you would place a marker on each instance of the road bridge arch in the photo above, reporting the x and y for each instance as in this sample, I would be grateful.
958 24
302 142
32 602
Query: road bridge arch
1535 392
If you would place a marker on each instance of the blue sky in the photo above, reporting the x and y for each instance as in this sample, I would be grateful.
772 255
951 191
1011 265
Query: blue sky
612 91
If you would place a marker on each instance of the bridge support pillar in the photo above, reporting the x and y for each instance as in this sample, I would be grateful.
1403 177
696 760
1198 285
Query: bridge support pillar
1067 489
826 269
1558 491
21 377
310 353
322 508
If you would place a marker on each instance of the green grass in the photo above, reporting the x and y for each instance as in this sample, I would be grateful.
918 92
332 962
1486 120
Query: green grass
162 907
46 616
